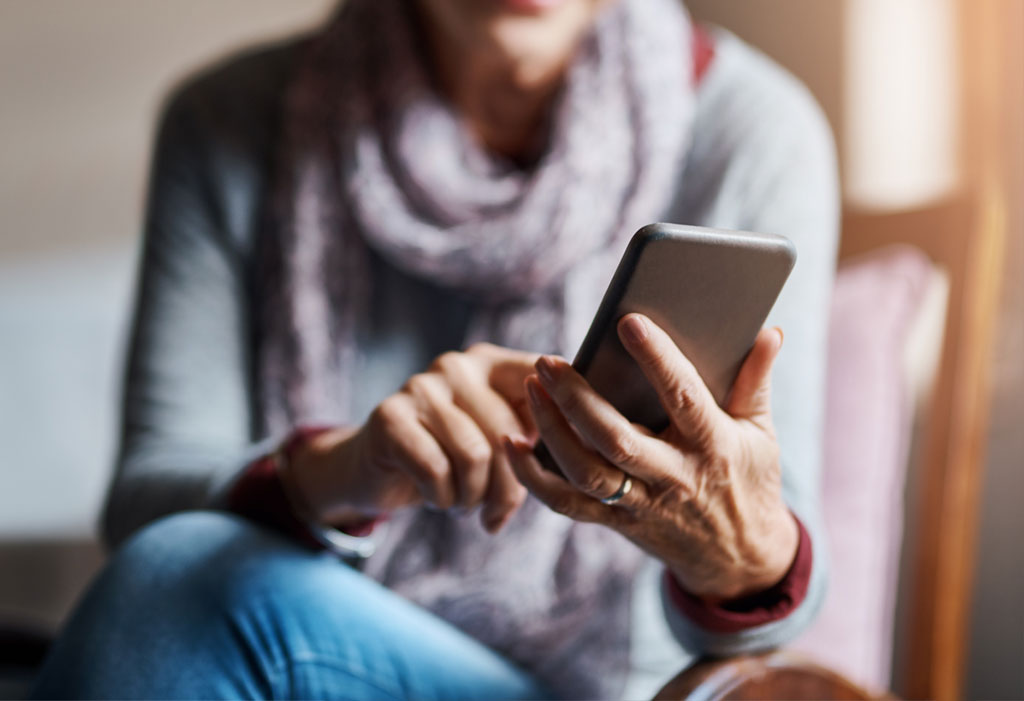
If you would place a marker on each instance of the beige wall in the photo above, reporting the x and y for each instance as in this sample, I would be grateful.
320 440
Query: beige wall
806 36
81 81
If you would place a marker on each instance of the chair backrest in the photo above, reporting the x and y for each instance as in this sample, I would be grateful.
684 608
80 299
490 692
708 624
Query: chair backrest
963 235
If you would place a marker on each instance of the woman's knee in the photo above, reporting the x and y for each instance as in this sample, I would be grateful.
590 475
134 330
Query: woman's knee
205 550
237 606
169 599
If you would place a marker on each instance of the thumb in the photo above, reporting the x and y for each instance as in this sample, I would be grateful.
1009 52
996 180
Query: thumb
751 393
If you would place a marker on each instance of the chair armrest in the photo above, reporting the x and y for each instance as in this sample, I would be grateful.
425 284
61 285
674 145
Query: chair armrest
770 675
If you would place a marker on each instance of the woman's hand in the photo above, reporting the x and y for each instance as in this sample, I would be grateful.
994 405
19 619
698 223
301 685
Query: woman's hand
706 492
435 441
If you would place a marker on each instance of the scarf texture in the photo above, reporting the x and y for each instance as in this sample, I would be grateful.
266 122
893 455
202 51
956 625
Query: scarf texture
374 161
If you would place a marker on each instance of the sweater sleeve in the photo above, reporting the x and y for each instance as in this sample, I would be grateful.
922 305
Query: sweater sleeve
186 421
763 160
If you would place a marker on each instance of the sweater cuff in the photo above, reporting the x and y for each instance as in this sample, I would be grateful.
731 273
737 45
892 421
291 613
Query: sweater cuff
770 605
260 495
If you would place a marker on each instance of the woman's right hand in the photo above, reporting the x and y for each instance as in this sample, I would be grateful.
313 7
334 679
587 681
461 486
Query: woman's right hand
436 441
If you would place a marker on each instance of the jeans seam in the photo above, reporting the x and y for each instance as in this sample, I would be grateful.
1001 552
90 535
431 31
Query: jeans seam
356 671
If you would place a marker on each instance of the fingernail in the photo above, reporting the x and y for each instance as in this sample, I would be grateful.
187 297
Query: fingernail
778 330
515 444
510 449
547 368
633 330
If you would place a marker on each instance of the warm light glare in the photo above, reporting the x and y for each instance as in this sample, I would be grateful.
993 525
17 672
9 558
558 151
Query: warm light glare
900 102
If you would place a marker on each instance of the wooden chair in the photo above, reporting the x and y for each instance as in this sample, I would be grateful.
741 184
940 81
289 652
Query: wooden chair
963 235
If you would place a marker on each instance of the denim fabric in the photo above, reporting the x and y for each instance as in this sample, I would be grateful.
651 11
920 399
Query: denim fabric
207 605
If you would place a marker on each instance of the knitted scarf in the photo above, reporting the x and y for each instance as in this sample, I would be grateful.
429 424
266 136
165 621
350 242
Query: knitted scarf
373 159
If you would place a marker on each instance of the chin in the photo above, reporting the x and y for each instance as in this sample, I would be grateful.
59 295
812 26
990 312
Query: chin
530 7
516 28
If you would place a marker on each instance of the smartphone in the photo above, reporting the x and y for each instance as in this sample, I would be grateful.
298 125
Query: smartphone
709 289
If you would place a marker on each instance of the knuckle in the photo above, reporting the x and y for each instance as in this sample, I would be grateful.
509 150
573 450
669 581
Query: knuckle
476 454
621 449
670 495
569 402
682 395
419 384
594 483
706 485
703 432
481 348
563 504
431 471
450 362
390 413
434 474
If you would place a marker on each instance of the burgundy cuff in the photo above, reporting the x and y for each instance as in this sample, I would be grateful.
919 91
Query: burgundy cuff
772 604
703 47
260 495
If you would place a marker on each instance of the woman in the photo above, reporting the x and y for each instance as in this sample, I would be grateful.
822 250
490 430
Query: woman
329 222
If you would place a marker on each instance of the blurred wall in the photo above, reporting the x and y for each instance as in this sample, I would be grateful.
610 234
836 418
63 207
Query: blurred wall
81 83
805 36
885 74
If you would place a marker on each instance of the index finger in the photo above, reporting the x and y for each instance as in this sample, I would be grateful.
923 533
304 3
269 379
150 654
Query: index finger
687 400
496 416
508 369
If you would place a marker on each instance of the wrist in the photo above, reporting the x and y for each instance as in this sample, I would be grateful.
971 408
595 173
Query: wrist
778 551
764 563
739 614
319 471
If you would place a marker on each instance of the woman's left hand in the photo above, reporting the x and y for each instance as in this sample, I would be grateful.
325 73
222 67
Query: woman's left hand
706 492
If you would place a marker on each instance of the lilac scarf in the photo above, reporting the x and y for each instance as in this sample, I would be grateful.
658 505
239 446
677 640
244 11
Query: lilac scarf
372 158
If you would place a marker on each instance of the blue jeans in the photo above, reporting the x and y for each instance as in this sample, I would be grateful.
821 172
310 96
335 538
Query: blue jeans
208 605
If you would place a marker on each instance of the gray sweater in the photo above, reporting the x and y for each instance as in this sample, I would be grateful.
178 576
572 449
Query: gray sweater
761 159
